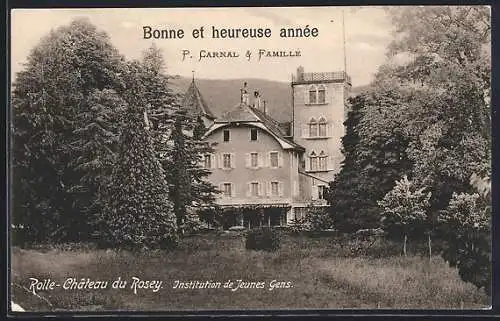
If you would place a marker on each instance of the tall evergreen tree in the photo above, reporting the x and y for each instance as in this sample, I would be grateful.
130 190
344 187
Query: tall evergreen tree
52 103
162 103
190 191
138 213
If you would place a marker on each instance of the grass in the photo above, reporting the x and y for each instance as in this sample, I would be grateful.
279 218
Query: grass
320 277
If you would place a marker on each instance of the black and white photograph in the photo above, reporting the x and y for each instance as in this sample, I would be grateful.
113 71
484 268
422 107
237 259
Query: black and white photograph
250 158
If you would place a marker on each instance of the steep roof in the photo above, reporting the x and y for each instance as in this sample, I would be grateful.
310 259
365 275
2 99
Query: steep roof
247 114
193 102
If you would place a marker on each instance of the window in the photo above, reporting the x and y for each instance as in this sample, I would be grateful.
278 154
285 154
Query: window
208 161
226 135
227 189
253 134
322 161
274 159
313 128
321 95
313 161
321 192
274 188
226 160
254 159
312 95
254 189
322 127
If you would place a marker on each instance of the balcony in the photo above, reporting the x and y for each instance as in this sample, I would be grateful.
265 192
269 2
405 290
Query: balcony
312 77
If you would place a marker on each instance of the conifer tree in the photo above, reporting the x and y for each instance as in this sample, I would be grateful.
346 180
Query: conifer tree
190 191
60 145
138 212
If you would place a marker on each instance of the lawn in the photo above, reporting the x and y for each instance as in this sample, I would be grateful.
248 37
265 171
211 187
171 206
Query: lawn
308 273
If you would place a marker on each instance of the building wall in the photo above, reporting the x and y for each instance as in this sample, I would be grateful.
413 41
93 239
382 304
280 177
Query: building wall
333 110
240 175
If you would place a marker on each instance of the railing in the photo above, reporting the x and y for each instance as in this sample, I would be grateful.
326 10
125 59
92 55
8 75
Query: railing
321 76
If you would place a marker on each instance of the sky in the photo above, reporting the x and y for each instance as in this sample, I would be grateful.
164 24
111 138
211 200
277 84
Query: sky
367 34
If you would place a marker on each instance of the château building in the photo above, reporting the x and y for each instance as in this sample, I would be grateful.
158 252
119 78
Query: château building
269 172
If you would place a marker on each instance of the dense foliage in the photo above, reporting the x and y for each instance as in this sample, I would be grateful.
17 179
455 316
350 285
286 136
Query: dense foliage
90 145
264 239
65 105
427 116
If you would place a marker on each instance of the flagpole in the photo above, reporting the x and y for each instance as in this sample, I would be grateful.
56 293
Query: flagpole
343 41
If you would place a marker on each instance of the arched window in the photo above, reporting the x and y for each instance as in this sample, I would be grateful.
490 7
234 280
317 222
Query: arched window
322 160
321 94
313 128
313 159
322 127
313 95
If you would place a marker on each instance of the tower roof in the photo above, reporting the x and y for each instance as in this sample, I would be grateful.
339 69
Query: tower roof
193 102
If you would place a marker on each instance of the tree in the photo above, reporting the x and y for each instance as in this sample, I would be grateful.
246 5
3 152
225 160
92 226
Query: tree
162 103
138 213
374 149
189 189
404 209
447 64
467 224
52 102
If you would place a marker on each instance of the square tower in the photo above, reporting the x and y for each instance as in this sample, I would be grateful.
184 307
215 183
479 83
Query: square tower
319 102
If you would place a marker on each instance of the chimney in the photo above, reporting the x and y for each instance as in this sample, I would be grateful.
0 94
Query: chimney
245 99
259 103
300 73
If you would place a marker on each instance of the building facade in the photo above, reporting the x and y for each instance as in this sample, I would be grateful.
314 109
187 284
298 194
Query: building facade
269 172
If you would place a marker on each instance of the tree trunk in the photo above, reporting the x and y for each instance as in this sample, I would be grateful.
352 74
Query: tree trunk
404 245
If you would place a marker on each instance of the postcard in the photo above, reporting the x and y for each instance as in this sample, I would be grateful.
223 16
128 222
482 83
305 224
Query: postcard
250 158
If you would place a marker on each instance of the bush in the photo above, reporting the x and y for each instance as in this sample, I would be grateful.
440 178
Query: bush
466 223
265 239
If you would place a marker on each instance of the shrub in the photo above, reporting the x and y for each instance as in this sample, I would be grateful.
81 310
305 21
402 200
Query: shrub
265 239
466 223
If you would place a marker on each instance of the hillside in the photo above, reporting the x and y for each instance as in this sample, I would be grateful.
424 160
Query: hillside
223 94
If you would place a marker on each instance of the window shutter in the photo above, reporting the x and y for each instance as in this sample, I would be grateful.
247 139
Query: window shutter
267 160
308 163
233 190
233 160
221 189
268 189
220 160
314 192
281 188
260 191
249 189
280 159
331 163
247 160
213 161
260 160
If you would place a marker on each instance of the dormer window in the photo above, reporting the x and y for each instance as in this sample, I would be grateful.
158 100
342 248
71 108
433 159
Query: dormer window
226 135
253 134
